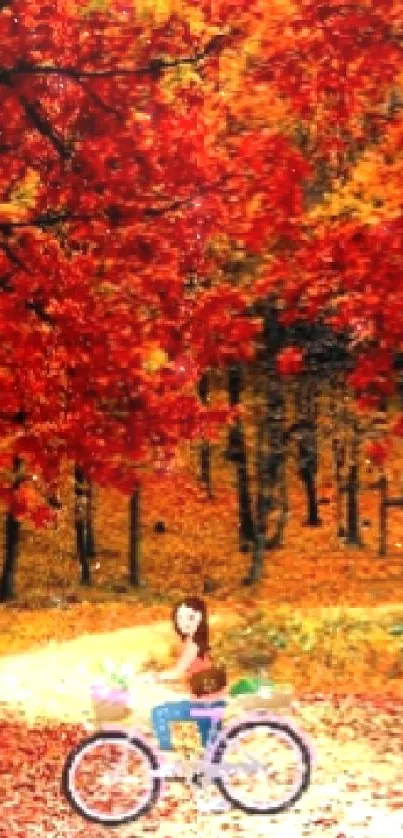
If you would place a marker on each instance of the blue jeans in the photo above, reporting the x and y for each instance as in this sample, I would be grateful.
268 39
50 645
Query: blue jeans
179 711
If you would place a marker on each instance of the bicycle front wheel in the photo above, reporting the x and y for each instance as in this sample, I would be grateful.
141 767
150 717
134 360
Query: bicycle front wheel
266 767
109 779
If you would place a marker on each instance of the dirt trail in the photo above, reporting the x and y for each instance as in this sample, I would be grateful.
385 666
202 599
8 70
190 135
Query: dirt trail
53 682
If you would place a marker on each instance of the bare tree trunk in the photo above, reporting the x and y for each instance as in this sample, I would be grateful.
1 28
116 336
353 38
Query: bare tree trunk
352 491
308 450
80 490
270 451
383 516
400 389
259 542
312 519
12 540
205 448
338 459
352 534
89 525
276 473
134 539
237 454
341 420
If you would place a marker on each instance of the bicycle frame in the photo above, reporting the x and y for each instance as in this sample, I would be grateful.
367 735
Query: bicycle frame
209 770
171 768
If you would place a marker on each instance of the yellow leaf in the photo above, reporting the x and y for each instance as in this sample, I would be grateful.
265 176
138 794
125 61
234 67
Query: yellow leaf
10 211
156 359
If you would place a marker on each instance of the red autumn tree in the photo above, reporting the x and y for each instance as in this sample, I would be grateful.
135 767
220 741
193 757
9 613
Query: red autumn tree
136 152
339 68
135 169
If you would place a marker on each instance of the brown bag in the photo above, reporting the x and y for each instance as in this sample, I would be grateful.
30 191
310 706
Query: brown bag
208 681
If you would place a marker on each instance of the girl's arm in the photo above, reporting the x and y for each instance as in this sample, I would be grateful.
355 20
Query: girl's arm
188 657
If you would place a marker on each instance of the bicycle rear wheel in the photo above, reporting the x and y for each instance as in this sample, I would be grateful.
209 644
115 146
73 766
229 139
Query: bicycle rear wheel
109 779
285 770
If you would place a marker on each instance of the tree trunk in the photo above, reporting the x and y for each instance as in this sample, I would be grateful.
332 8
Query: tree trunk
301 400
383 516
308 478
12 540
237 454
89 525
352 535
400 389
134 539
275 475
256 570
307 472
12 531
338 460
270 450
352 491
80 490
308 453
259 543
205 447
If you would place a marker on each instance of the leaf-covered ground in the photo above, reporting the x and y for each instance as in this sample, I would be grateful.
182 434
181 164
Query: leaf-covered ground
356 790
357 785
324 612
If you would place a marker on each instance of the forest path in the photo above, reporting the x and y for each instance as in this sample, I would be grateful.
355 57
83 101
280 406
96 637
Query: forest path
52 681
356 789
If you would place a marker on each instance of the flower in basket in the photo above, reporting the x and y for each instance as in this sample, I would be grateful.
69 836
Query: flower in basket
112 685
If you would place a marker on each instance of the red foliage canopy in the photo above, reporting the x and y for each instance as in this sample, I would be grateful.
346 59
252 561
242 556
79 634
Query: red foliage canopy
110 308
134 173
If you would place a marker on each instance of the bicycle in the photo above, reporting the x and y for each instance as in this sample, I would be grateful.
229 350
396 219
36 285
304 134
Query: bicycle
143 768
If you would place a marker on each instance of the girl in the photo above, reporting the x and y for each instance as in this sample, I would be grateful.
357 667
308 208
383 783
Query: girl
191 624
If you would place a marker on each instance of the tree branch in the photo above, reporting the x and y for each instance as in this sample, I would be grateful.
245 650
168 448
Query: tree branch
155 66
154 212
42 124
14 259
98 100
38 120
30 305
51 219
39 310
7 287
42 222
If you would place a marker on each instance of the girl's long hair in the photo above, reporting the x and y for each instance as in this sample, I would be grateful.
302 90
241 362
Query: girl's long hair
201 638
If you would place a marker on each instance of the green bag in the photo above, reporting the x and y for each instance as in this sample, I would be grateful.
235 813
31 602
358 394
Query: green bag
250 685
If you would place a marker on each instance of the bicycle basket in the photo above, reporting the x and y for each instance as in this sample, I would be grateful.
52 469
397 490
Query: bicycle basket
110 705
